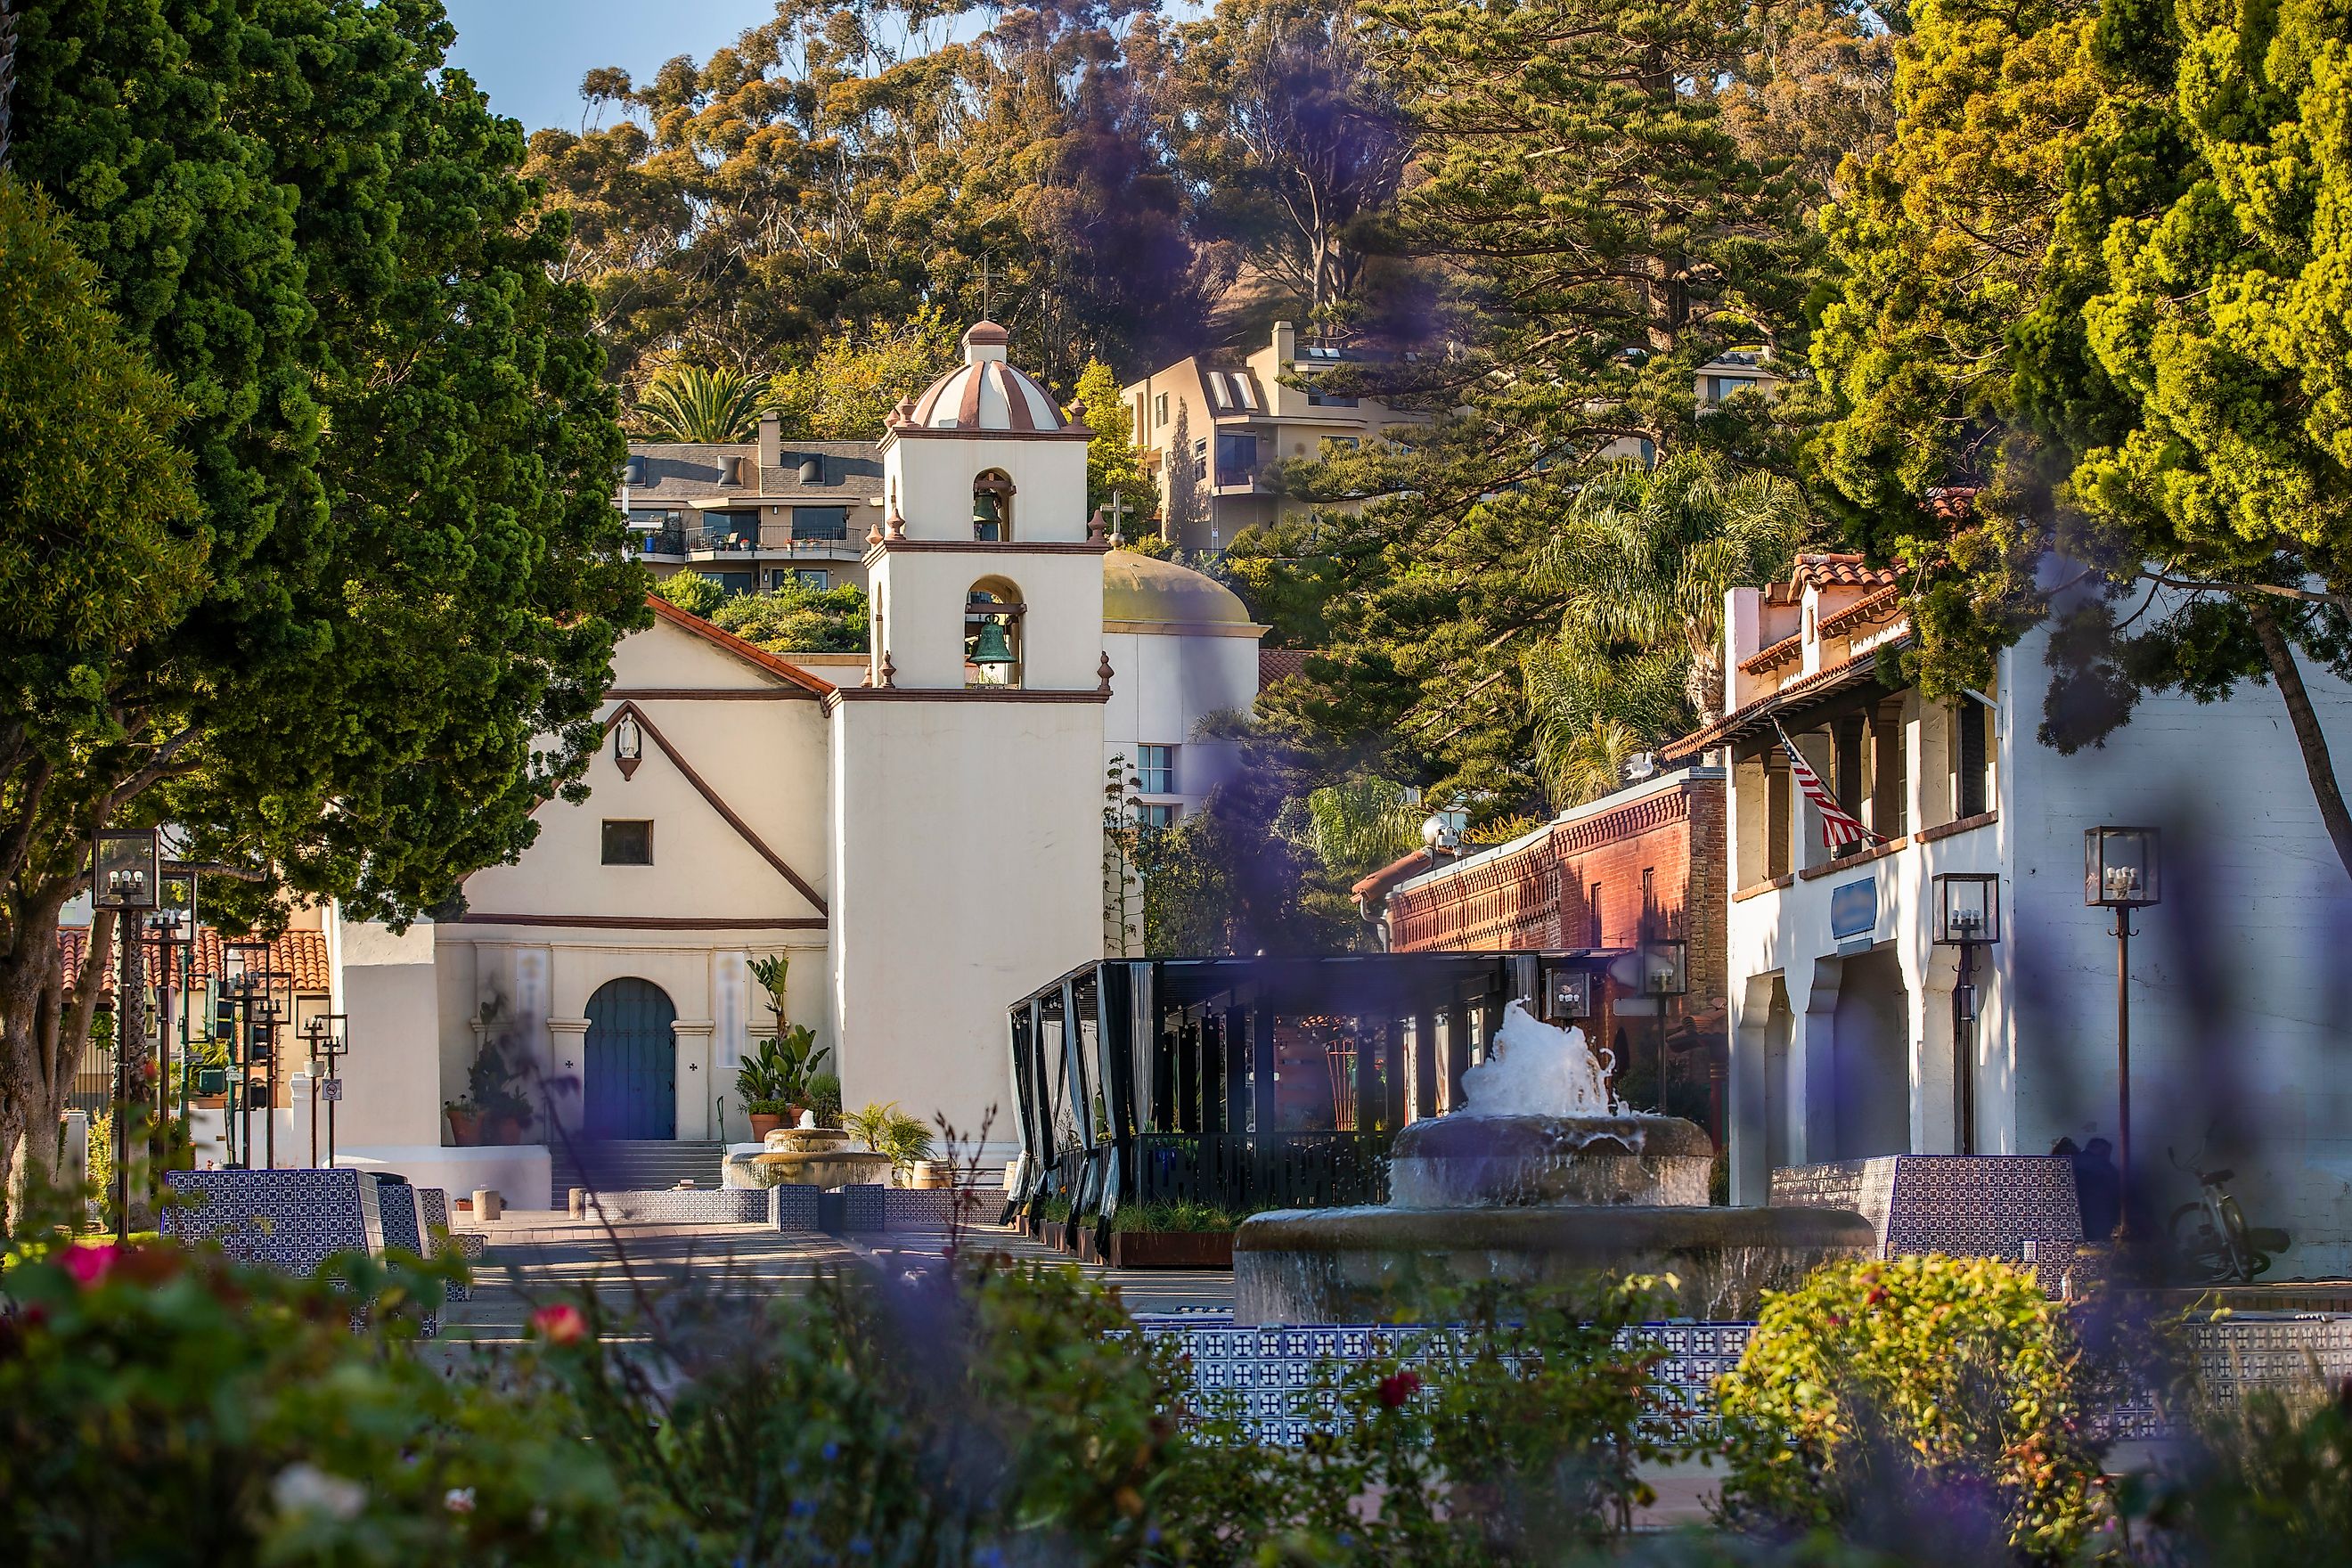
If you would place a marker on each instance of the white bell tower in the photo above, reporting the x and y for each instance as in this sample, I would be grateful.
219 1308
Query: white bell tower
967 773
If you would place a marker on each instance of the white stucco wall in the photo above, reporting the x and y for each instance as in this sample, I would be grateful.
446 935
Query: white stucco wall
924 591
970 860
932 477
2241 1053
1164 683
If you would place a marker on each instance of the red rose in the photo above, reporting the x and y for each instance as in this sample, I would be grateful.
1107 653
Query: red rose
1398 1387
559 1325
90 1265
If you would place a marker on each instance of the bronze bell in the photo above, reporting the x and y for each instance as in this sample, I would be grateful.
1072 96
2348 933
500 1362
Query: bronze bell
987 517
990 646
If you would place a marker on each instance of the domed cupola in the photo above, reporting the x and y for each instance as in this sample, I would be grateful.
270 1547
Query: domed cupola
985 394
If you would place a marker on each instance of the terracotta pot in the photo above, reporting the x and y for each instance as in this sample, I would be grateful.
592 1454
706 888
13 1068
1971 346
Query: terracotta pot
762 1124
507 1130
465 1128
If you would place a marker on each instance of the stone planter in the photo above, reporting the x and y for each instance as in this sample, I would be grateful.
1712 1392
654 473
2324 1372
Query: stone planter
1171 1250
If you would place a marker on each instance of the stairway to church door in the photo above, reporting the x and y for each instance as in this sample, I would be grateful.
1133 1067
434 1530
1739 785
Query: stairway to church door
632 1062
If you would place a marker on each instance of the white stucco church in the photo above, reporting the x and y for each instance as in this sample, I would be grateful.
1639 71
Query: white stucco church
921 834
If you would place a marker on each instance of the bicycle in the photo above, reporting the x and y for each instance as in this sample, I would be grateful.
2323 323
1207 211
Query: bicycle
2219 1246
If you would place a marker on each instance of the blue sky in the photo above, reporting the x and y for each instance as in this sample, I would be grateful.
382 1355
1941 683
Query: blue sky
529 55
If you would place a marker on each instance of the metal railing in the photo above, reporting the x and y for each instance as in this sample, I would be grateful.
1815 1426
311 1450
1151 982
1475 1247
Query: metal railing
1244 1171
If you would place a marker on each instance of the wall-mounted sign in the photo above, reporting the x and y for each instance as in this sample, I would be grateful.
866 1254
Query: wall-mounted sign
1853 908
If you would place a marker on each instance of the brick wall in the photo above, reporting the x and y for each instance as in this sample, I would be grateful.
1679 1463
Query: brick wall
1539 895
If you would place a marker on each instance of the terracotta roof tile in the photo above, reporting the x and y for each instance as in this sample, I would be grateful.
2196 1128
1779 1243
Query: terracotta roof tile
1880 605
1820 683
1836 571
1279 664
1788 651
300 954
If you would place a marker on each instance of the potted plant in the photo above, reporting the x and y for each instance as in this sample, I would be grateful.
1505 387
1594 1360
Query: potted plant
776 1082
501 1112
207 1068
886 1130
773 1082
465 1122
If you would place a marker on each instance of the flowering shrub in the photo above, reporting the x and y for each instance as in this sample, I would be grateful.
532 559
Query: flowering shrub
161 1406
1946 1383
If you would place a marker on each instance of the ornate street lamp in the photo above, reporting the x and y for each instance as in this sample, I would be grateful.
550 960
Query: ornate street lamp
1567 995
2120 872
125 876
1968 916
1665 972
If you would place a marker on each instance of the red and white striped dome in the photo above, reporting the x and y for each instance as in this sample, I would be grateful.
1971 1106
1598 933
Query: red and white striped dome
985 394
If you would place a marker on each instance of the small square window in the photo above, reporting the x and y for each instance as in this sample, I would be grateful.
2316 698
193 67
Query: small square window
628 843
1157 815
1155 767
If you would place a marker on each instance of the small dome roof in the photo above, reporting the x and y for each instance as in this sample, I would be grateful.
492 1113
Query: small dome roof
986 393
1146 588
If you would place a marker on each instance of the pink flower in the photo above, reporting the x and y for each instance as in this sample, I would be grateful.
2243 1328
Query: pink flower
1398 1387
90 1265
559 1325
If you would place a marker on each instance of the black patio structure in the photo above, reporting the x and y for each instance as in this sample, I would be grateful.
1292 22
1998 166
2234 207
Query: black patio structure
1254 1083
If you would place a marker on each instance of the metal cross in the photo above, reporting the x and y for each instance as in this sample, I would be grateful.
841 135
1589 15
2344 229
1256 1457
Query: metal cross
1118 510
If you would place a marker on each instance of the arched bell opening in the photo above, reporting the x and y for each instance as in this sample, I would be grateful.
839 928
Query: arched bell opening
991 634
991 507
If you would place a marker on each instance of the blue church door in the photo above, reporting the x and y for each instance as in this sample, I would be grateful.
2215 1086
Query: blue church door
631 1085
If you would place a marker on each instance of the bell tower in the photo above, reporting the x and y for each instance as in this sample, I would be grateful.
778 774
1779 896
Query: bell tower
967 771
983 570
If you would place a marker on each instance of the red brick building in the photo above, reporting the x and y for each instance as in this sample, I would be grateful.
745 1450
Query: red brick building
1646 863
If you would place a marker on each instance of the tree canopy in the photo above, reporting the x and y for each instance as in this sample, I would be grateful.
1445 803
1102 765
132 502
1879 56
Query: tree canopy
402 451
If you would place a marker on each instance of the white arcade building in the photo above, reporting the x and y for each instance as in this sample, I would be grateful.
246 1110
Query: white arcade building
923 846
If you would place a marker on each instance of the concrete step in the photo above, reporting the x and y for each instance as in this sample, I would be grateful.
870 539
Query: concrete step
635 1165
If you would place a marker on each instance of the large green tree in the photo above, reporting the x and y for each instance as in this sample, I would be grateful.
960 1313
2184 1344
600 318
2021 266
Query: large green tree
2091 304
402 453
1601 228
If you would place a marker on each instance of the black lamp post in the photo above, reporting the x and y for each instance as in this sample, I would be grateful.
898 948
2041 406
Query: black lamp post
2120 873
242 964
1968 916
326 1035
175 928
1666 971
267 1013
125 876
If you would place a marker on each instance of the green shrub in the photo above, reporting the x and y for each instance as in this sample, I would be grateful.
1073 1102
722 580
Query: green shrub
692 592
160 1406
1176 1214
1932 1375
825 1098
2269 1481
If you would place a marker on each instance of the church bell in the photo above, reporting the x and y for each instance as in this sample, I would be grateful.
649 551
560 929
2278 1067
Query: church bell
987 518
989 646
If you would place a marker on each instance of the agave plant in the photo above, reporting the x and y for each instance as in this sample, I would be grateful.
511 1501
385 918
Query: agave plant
695 403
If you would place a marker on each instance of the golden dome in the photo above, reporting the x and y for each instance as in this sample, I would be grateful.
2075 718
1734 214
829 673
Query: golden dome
1144 588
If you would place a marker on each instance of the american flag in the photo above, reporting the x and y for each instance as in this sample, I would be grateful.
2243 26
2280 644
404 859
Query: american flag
1838 828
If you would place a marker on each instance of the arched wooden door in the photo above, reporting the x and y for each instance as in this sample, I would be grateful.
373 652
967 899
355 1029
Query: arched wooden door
632 1062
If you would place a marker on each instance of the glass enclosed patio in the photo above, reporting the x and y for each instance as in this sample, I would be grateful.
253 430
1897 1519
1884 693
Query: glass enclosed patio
1256 1083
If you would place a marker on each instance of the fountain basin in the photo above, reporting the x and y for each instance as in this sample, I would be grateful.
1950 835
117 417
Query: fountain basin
1518 1161
1385 1265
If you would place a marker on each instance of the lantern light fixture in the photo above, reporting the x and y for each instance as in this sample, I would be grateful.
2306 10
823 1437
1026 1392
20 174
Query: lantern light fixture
125 871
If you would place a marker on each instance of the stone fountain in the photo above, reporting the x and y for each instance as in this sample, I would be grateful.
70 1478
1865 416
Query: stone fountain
1542 1178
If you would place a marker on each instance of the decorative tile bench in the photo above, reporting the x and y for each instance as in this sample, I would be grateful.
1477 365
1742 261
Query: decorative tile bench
1970 1205
683 1205
1270 1372
292 1221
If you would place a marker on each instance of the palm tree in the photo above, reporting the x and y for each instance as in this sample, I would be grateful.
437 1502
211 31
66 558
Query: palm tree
691 402
1640 568
1354 827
